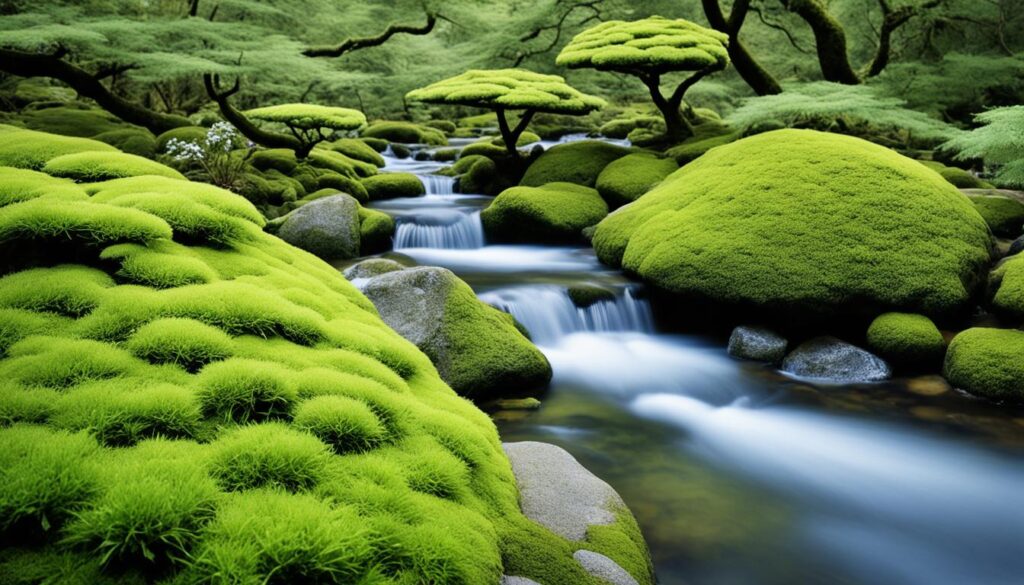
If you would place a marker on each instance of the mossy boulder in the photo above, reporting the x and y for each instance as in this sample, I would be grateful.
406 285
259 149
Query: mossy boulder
625 180
802 221
139 142
554 213
476 348
391 185
101 166
585 295
405 133
376 229
906 339
358 150
328 227
71 121
577 162
28 149
338 182
987 362
956 176
1004 215
694 148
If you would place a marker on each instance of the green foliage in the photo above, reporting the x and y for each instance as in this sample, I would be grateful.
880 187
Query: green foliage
346 424
987 362
509 89
391 185
68 121
270 455
120 413
102 166
856 110
626 179
405 133
309 116
159 265
998 142
1004 216
139 142
66 290
906 338
195 134
577 162
27 149
653 45
801 220
553 213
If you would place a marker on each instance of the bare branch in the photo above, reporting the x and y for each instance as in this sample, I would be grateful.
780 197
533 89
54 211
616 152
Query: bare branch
349 45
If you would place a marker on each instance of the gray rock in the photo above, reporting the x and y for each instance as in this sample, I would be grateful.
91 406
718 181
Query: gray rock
1016 247
835 360
327 227
603 568
506 580
370 268
758 344
559 493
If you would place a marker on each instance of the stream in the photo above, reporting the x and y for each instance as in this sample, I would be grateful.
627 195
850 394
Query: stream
736 473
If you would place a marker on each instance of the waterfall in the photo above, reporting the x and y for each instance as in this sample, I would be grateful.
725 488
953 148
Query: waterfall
452 231
437 184
549 314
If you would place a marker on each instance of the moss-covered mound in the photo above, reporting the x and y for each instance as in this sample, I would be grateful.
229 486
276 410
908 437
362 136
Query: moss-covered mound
139 141
28 149
405 133
576 162
1004 216
195 134
188 399
797 219
554 213
391 185
72 121
957 177
358 150
1006 285
906 339
101 166
625 180
987 362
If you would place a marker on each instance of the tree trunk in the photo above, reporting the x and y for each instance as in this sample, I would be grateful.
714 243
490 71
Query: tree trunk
25 64
829 39
756 76
246 127
510 136
677 128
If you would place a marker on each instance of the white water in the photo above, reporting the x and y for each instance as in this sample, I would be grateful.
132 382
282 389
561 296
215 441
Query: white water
452 230
437 184
507 259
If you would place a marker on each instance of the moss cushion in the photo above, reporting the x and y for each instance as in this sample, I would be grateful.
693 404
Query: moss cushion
905 338
556 212
626 179
987 362
805 220
1005 216
576 162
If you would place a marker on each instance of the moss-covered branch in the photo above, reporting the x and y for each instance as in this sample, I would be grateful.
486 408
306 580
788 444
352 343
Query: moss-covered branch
244 125
756 76
349 45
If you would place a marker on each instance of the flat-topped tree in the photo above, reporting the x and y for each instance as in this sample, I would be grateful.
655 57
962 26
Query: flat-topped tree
502 90
307 122
649 49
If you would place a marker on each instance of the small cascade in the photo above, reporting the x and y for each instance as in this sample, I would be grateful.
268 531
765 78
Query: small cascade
437 184
549 314
449 231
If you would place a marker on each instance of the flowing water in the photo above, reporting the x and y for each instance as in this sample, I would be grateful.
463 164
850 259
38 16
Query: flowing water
738 475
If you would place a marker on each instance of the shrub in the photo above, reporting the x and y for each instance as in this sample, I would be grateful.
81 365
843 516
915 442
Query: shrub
998 143
987 362
556 212
906 339
241 390
26 149
626 179
216 154
406 133
186 342
101 166
391 185
345 424
1004 216
270 455
577 162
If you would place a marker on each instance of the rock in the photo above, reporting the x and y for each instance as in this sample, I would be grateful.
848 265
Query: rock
1016 247
584 295
327 227
1004 215
506 580
603 568
475 347
758 344
987 362
575 162
371 267
554 213
626 179
828 358
906 339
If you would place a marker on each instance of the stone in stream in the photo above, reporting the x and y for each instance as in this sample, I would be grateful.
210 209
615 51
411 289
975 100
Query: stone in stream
327 227
563 496
758 344
832 359
476 348
371 267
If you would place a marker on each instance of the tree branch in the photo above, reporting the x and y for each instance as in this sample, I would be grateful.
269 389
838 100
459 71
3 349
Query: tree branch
557 26
349 45
245 125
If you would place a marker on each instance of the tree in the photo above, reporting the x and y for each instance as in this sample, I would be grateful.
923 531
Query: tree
999 142
756 76
504 90
648 49
306 122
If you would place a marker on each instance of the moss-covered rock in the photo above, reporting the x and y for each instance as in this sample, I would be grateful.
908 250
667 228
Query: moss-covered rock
625 180
476 348
693 149
1004 216
358 150
28 149
576 162
139 142
987 362
405 133
391 185
802 220
71 121
906 339
584 295
328 227
956 176
196 134
376 229
556 212
101 166
485 147
343 183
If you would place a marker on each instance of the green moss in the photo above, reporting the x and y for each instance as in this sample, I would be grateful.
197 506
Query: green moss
27 149
693 149
215 198
333 182
577 162
987 362
557 212
584 295
375 231
485 147
188 343
66 290
512 89
121 413
279 159
309 116
622 127
70 121
446 155
241 390
357 150
1007 285
906 338
196 134
803 220
139 142
378 144
346 424
405 133
957 177
626 179
160 265
1004 216
269 455
339 163
446 126
21 185
391 185
101 166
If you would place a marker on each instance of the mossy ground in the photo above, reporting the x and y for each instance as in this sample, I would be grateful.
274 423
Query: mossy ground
187 399
405 133
554 213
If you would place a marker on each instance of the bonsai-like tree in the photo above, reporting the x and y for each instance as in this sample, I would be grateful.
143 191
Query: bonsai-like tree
502 90
649 49
307 122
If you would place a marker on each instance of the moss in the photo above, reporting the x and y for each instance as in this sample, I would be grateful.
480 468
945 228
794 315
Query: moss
333 182
70 121
139 142
801 220
584 295
346 424
1007 285
21 185
391 185
160 265
188 343
957 177
693 149
508 89
987 362
557 212
241 390
375 231
378 144
577 162
486 147
357 150
623 127
309 116
1004 216
906 339
66 290
123 413
405 133
195 134
481 176
339 163
269 455
626 179
446 126
27 149
279 159
101 166
446 155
